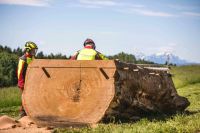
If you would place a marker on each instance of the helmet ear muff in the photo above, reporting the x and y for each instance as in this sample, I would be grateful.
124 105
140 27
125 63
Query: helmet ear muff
28 50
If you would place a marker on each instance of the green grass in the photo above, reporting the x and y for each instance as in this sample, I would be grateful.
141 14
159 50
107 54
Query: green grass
10 101
187 82
12 111
192 92
9 97
188 122
185 75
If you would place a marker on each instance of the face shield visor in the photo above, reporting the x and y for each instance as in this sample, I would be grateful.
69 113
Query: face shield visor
33 51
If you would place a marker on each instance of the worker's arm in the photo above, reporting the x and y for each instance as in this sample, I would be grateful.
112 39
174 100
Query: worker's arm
74 57
101 56
20 75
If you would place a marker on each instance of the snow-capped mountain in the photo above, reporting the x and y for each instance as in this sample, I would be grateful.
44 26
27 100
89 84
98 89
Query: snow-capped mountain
162 58
140 55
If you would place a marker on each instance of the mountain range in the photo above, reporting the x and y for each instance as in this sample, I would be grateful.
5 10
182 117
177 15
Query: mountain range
162 58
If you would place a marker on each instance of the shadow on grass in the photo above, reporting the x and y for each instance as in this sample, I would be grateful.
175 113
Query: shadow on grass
191 112
150 117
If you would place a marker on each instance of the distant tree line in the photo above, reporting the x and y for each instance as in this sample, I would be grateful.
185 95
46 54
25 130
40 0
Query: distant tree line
9 61
8 65
128 58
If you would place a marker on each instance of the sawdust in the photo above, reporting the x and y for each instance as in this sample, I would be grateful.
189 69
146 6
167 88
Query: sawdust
23 125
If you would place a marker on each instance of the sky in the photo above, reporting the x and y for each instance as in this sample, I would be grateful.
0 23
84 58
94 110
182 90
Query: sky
131 26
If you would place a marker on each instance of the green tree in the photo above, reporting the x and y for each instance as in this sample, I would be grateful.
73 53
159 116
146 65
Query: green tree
40 55
5 49
18 51
8 66
129 58
142 61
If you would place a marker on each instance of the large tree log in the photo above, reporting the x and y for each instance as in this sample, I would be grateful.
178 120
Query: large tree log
141 91
65 93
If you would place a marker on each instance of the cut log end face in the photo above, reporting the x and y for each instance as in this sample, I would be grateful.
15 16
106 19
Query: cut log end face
67 92
77 91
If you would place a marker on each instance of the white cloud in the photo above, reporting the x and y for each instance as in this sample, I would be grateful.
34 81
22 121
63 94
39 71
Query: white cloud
107 3
152 13
195 14
142 10
84 6
98 2
136 6
26 2
93 3
180 7
169 48
165 49
121 7
173 44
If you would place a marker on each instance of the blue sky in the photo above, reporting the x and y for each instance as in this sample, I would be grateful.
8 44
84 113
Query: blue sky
132 26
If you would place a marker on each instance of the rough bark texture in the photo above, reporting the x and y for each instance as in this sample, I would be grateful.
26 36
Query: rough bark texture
141 91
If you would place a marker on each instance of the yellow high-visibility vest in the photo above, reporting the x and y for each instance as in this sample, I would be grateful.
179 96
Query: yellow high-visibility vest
23 64
86 54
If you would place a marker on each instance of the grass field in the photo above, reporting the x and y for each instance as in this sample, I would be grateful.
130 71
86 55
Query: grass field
10 101
187 82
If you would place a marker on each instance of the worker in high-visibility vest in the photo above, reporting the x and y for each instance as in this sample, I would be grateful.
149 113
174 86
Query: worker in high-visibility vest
88 52
30 51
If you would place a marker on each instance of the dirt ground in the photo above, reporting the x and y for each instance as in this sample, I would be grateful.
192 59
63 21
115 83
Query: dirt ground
23 125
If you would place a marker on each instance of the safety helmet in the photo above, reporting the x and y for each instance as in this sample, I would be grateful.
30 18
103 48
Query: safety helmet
29 46
89 42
